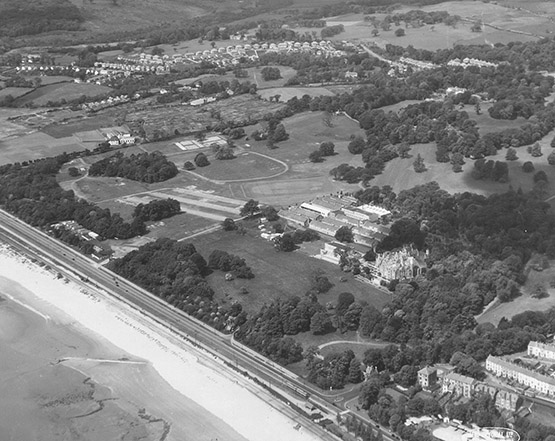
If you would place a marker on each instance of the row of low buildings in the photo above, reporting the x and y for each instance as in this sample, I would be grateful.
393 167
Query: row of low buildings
523 375
467 62
457 385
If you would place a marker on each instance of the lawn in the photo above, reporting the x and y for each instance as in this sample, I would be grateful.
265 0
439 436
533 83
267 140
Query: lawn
59 91
277 275
245 166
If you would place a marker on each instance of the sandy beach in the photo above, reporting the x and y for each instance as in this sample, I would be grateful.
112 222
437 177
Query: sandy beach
78 365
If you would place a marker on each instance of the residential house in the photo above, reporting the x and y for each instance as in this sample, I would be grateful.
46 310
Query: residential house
527 377
458 384
427 377
541 350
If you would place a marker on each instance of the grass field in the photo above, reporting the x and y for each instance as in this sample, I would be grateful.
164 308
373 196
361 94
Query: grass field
34 146
254 75
507 24
286 93
304 180
277 275
57 92
244 167
50 79
525 302
15 92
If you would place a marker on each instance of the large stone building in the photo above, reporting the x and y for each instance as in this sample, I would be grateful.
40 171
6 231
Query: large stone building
406 263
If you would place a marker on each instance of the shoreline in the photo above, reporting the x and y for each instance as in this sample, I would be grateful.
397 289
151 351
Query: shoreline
193 374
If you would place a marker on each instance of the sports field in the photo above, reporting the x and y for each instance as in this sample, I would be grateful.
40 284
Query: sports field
304 180
245 166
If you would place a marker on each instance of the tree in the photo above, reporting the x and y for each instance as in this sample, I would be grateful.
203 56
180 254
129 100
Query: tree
189 165
528 167
327 119
540 176
552 144
419 165
327 148
157 50
224 153
369 392
316 156
539 291
320 323
201 160
403 150
285 243
250 208
399 32
476 27
344 300
511 155
535 150
355 374
551 158
375 32
357 145
279 134
270 213
229 224
270 73
344 234
73 172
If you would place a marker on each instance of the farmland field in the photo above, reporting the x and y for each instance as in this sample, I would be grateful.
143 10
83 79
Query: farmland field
50 79
15 92
62 129
57 92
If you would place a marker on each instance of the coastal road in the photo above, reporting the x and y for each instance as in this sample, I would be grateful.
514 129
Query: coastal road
68 261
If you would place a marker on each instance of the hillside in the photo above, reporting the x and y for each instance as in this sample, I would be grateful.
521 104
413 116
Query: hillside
59 22
38 16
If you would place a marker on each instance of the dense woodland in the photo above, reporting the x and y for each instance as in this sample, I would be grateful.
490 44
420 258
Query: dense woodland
142 167
175 271
32 193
